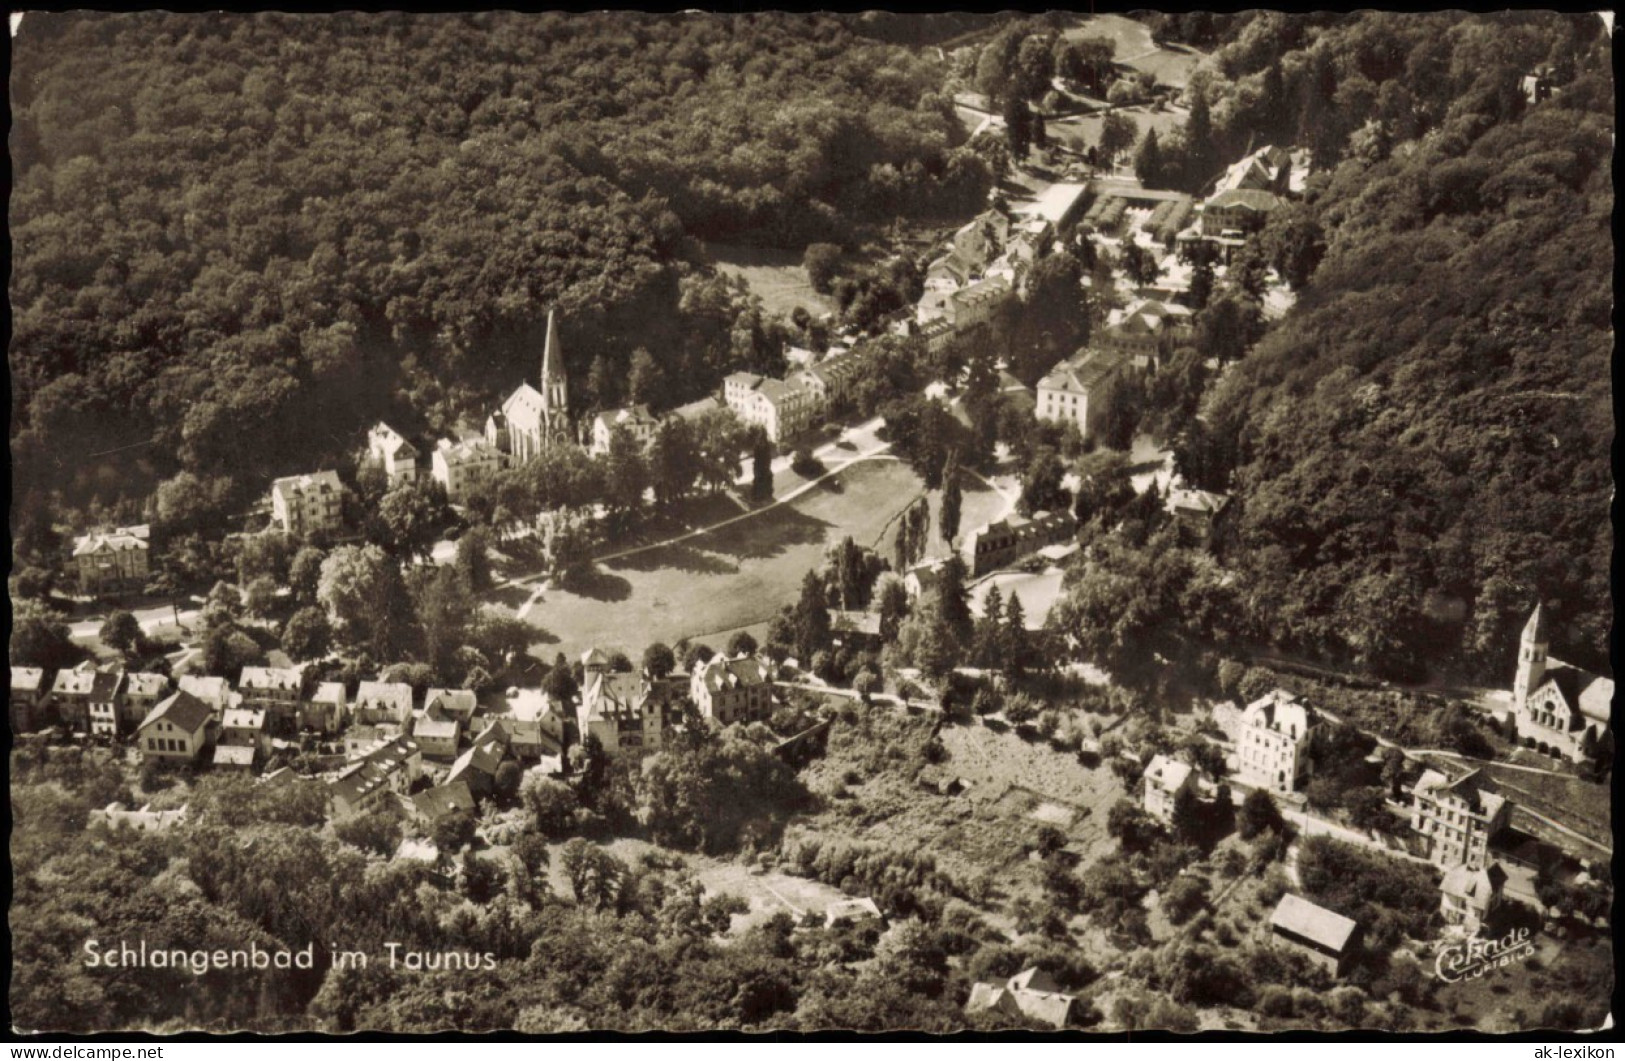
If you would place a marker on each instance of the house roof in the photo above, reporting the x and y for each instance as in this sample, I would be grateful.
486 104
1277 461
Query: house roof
1184 499
118 540
851 910
1279 711
269 678
1591 694
322 482
1317 924
1169 773
482 758
435 729
1055 202
27 679
1082 372
79 681
396 696
207 687
242 718
1481 884
391 442
329 693
181 709
631 416
459 702
610 694
471 450
1246 198
723 673
233 755
695 410
144 683
435 803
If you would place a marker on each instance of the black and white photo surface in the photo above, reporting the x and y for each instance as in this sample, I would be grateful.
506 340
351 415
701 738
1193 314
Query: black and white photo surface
801 522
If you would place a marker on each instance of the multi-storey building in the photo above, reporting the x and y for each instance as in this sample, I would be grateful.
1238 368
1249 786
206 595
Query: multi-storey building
462 465
624 711
142 691
1072 390
382 773
306 505
1272 749
1458 818
107 561
397 457
732 690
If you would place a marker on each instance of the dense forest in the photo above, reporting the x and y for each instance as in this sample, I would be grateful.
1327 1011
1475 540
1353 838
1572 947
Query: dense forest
235 230
1420 447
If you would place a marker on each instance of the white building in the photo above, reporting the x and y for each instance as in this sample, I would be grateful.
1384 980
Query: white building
1272 752
461 465
389 449
303 505
1072 390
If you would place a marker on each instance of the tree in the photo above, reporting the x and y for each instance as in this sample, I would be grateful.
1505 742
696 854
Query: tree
740 644
761 462
1185 821
1117 133
308 635
1201 153
1393 770
453 832
894 608
1016 640
594 874
1183 898
259 598
821 261
39 638
121 632
645 381
626 474
560 683
1148 163
1258 814
226 650
1129 824
658 660
810 618
675 460
952 500
305 573
408 518
365 597
473 559
1018 122
953 601
551 804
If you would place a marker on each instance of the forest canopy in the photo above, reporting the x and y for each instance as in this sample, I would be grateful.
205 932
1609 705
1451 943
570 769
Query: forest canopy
228 229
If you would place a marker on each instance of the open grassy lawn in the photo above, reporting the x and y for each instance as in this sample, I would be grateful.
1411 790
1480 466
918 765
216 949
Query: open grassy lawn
775 276
735 576
1083 132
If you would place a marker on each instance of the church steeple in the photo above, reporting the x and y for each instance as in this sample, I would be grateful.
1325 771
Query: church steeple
555 387
1531 657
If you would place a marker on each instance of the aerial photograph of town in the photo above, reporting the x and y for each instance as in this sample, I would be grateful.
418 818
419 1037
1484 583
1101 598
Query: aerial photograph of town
1071 522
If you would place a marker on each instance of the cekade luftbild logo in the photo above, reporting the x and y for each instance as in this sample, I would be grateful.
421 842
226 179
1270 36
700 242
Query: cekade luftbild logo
1472 958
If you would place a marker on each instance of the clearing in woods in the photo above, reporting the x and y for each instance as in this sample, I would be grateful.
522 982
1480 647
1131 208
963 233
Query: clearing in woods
775 276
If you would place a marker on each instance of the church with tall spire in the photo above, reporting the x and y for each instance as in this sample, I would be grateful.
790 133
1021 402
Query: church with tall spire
535 418
1557 708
